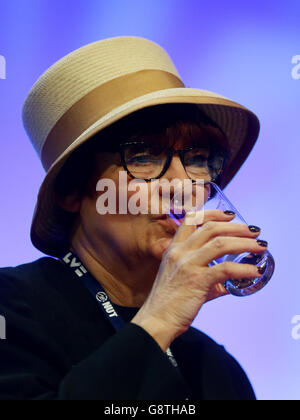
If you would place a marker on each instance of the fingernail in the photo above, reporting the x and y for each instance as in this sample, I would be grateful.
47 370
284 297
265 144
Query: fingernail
229 213
254 229
264 244
262 269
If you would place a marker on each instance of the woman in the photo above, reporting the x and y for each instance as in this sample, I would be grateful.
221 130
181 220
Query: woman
109 317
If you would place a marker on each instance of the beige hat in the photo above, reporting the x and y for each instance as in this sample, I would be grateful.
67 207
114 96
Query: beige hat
97 85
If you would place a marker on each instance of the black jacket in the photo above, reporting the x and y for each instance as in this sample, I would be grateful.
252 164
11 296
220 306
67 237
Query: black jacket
59 345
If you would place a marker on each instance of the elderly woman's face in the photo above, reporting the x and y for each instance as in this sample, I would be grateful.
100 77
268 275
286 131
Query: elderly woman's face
130 235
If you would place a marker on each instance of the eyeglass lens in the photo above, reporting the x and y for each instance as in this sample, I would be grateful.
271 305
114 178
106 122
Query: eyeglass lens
148 162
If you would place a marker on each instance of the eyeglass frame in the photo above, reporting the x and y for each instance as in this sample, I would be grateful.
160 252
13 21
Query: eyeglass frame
171 153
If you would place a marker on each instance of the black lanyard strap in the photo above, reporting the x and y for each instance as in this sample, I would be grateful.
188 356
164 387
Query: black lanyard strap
104 302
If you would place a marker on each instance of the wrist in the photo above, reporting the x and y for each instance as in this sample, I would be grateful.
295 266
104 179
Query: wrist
158 331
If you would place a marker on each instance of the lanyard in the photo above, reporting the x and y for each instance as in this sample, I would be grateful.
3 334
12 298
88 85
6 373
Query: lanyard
107 307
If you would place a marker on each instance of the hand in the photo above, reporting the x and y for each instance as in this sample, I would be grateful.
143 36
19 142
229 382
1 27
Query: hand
185 281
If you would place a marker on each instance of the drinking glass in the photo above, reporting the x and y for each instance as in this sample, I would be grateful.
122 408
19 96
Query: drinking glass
204 196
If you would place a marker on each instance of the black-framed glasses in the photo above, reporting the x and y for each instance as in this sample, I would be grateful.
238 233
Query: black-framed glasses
144 161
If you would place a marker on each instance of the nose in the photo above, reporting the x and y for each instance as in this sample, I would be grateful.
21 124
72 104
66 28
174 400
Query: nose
176 170
175 175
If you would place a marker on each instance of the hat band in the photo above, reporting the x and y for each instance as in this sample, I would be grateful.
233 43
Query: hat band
99 102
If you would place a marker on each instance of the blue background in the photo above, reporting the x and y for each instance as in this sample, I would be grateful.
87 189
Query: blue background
242 50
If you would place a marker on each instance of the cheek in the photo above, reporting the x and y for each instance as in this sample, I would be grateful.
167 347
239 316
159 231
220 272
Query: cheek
138 197
131 201
129 232
121 195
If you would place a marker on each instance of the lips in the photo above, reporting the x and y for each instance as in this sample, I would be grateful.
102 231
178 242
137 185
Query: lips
172 218
160 216
167 224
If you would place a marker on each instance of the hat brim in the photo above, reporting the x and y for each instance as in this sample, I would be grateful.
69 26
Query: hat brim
240 125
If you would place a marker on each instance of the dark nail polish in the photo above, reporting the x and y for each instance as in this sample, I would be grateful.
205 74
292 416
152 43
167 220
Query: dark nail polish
254 229
262 269
264 244
229 213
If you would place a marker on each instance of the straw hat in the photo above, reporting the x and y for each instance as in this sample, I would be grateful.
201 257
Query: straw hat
97 85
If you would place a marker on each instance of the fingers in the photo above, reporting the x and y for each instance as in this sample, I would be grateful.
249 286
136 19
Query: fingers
217 290
220 273
212 229
222 245
186 229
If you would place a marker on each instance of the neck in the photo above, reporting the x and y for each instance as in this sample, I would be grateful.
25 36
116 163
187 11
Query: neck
127 283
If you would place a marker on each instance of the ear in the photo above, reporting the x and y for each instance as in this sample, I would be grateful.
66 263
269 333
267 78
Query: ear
70 203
